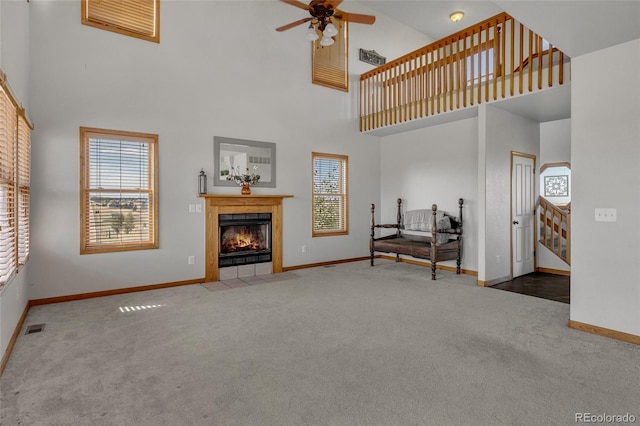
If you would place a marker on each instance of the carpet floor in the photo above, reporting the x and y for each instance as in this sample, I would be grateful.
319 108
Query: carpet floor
341 345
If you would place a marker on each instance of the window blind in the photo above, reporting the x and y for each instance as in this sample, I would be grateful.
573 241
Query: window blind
137 18
8 121
329 209
24 188
119 191
330 65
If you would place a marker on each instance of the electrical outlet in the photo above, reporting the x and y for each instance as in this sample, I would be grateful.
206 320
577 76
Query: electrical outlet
192 208
191 260
198 208
304 248
606 215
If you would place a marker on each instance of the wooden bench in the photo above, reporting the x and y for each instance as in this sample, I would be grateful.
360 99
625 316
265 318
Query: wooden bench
439 244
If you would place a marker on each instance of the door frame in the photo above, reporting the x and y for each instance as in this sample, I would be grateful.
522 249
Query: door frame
534 240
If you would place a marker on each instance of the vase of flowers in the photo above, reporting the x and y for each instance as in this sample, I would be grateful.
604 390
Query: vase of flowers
245 179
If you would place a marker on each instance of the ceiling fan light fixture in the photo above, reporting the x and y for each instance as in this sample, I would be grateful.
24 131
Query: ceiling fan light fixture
330 30
312 34
326 41
456 16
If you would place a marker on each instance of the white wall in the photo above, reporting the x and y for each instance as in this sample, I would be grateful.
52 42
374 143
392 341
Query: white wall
605 159
555 142
437 164
14 60
220 69
500 133
14 47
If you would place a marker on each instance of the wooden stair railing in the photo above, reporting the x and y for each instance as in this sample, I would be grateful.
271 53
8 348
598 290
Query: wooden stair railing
496 58
555 228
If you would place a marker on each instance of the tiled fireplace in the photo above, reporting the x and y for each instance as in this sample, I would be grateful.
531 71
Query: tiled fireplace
243 234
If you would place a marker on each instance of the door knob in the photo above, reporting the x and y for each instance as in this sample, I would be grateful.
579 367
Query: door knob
515 222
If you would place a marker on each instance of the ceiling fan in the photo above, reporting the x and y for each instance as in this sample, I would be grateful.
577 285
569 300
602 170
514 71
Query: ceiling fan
321 12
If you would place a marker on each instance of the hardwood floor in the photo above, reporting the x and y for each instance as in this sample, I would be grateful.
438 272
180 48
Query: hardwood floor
538 284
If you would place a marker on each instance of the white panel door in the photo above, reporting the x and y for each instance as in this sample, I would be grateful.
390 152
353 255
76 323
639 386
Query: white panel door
522 214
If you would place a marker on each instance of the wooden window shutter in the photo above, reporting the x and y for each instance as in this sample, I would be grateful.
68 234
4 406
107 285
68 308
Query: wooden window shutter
135 18
330 64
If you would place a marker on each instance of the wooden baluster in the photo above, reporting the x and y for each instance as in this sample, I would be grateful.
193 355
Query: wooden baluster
378 99
450 84
512 42
417 95
442 66
496 59
372 100
436 71
530 63
464 71
503 52
385 95
479 51
432 84
540 55
398 93
443 76
363 105
361 96
457 62
369 89
421 84
414 85
369 107
395 94
405 88
400 88
486 65
521 56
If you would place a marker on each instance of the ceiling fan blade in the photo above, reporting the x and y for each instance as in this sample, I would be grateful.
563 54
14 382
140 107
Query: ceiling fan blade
356 17
293 24
332 4
296 3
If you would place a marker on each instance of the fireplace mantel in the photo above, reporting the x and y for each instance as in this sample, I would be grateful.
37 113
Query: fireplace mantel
216 204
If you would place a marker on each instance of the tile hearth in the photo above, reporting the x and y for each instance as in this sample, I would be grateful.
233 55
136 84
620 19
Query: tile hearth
249 281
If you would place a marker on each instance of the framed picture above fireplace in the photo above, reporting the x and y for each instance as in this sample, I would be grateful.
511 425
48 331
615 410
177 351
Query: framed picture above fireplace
241 154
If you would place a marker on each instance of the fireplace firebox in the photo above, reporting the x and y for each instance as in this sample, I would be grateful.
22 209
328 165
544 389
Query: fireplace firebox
244 238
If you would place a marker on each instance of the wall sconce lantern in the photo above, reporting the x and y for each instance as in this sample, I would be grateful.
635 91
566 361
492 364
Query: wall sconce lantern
202 182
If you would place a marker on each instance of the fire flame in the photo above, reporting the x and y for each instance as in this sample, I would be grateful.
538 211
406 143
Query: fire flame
241 240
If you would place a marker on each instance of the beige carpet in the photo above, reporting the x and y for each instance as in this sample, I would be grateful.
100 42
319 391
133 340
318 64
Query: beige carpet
342 345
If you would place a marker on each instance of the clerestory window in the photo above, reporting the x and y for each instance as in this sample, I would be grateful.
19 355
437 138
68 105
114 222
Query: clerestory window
135 18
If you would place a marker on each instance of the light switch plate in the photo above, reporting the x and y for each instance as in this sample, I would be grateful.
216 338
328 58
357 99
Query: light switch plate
605 215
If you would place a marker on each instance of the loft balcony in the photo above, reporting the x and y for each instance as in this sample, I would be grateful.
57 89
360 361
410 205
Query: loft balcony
493 60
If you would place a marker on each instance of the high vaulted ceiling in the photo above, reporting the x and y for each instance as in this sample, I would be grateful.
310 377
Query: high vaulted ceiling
576 26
